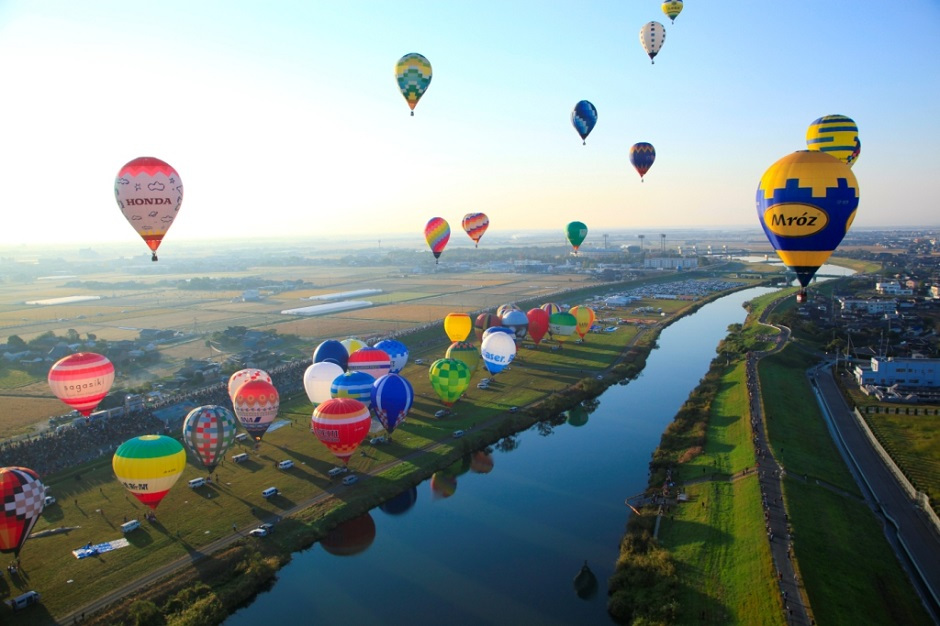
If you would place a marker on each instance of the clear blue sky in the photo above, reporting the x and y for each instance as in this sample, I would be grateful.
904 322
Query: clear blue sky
284 118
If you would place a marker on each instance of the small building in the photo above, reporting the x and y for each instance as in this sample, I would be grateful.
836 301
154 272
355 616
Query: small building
909 373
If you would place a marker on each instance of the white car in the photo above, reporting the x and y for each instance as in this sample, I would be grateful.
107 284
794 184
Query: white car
440 413
458 434
419 361
336 471
350 479
262 531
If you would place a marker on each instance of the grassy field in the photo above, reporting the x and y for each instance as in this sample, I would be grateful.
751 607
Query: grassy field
722 555
92 505
913 444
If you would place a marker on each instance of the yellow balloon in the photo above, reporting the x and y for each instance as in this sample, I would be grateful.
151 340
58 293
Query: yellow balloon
458 326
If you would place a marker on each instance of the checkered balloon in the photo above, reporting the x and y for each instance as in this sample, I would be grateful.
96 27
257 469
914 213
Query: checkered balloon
22 496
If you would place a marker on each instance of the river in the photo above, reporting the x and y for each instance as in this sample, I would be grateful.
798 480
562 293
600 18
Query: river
502 547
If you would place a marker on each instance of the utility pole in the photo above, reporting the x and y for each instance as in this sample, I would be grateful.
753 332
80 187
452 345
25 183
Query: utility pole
606 236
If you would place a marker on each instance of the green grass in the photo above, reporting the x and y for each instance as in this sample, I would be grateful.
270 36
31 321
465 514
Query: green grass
850 574
14 379
913 444
721 552
795 427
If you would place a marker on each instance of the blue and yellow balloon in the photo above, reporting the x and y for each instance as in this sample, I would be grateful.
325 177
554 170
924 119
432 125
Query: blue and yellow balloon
806 203
836 135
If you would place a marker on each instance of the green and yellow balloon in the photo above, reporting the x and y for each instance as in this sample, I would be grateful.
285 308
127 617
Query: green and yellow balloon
149 466
806 203
466 352
413 73
449 379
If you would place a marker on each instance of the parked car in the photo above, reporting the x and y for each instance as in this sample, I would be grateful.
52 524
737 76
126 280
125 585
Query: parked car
350 479
458 434
378 440
513 409
441 413
263 530
336 471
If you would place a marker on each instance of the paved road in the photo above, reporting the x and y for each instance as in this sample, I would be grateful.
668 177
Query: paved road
915 535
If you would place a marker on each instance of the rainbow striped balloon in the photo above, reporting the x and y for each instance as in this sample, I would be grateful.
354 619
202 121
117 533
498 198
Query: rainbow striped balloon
82 380
374 362
475 224
836 135
341 424
149 466
437 234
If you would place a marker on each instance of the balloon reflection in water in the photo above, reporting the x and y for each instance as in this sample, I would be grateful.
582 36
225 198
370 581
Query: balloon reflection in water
442 485
481 462
401 503
351 537
577 416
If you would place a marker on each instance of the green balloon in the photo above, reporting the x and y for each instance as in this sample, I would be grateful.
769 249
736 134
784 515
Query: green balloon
466 352
449 379
576 232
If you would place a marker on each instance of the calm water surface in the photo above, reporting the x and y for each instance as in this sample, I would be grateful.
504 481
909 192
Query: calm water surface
502 547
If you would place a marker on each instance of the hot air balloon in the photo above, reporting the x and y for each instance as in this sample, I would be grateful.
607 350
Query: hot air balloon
401 503
332 351
562 326
449 379
551 308
341 424
149 193
209 432
485 321
836 135
576 232
577 416
672 9
806 203
437 234
495 330
652 36
318 379
413 73
351 537
355 385
583 118
584 318
443 485
538 324
502 309
396 351
642 155
458 326
148 466
374 362
498 350
241 377
392 397
481 462
82 380
22 496
475 224
517 321
466 352
352 344
256 404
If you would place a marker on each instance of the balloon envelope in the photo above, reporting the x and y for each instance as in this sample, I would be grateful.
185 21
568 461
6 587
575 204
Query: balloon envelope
341 424
584 318
466 352
652 36
413 73
562 326
82 380
352 344
23 497
538 324
148 466
836 135
374 362
485 321
401 503
498 350
350 537
517 321
241 377
209 432
318 380
355 385
396 351
437 234
806 203
256 404
333 351
149 193
642 155
458 326
392 397
475 224
583 118
481 462
672 9
576 232
449 379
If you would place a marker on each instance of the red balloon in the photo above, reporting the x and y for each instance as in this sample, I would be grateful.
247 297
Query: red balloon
341 424
484 321
538 324
351 537
82 380
22 497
